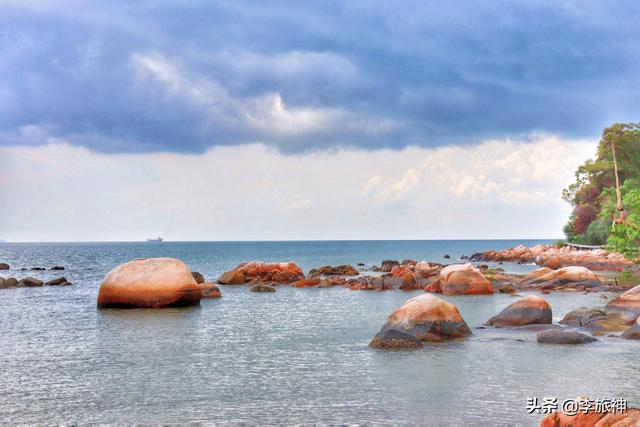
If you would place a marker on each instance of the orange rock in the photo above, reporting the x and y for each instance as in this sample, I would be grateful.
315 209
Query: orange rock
463 279
279 272
628 418
307 283
526 311
407 277
422 318
151 282
627 304
563 278
209 290
234 277
553 263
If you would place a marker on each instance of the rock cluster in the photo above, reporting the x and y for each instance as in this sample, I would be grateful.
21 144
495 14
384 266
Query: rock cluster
31 282
423 318
262 272
553 257
339 270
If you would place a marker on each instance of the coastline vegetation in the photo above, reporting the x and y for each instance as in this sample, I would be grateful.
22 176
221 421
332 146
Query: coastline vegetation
606 194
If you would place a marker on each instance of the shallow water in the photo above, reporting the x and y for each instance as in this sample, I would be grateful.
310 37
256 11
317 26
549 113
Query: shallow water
294 356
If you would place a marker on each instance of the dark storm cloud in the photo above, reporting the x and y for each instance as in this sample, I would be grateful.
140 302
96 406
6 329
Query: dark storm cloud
157 76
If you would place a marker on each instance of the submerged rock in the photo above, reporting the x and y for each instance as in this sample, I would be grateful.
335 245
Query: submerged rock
57 268
627 304
209 290
559 336
261 287
422 318
151 282
199 278
526 311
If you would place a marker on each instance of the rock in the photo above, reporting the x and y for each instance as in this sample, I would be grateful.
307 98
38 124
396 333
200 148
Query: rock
4 266
1 282
387 265
627 304
38 268
30 282
408 263
339 270
151 282
582 316
526 311
559 336
507 289
56 282
57 268
234 277
367 283
628 418
360 264
553 263
209 290
10 282
278 272
407 280
463 279
199 278
563 278
446 256
425 270
307 283
260 287
395 339
422 318
633 333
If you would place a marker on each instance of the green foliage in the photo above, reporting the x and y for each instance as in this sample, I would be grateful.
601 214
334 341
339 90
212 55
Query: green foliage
625 237
560 244
594 191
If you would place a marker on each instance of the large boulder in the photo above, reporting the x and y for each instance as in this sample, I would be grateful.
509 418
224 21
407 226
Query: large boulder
563 278
406 280
560 336
209 290
264 272
627 304
422 318
529 310
151 282
463 279
553 263
4 266
339 270
9 282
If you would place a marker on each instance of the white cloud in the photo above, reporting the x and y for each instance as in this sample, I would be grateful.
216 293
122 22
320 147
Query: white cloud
497 189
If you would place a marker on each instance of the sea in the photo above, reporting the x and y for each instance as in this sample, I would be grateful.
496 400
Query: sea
293 357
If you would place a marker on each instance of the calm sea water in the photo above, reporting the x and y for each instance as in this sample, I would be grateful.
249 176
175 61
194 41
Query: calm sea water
298 356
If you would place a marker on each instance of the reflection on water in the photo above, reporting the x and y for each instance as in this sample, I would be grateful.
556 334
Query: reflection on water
298 355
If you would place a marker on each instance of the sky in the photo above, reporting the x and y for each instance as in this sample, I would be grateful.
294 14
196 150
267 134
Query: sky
254 120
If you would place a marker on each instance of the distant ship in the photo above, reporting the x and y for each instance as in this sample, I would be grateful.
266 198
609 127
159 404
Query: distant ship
157 239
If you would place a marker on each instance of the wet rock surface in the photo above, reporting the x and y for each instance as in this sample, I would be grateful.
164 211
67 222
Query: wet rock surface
560 336
526 311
